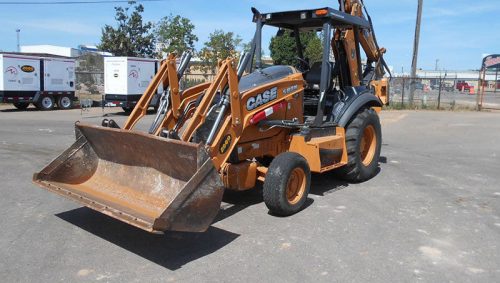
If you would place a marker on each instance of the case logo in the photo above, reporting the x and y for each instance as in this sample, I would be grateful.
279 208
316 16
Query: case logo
225 144
27 69
261 99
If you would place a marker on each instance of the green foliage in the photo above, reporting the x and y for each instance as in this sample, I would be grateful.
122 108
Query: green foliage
314 49
220 46
284 48
131 37
175 34
90 62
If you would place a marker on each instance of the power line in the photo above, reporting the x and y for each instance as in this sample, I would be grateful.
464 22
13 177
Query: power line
75 2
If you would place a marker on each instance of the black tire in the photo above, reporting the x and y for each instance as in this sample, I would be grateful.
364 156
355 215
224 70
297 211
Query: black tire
21 105
127 110
65 102
363 164
46 103
280 178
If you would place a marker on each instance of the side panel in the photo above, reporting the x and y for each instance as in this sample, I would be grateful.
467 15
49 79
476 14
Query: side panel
115 75
140 74
20 73
59 74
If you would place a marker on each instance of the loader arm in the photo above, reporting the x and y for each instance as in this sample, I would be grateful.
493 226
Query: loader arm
166 76
200 114
188 96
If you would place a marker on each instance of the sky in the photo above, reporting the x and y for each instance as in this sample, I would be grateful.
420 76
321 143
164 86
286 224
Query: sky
455 32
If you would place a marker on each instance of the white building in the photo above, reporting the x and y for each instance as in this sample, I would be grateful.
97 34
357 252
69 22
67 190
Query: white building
63 51
51 49
85 48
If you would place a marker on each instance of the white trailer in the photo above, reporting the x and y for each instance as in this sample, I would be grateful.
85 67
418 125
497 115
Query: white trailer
59 81
44 82
126 79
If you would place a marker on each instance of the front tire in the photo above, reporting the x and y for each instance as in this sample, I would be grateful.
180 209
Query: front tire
21 105
287 184
364 141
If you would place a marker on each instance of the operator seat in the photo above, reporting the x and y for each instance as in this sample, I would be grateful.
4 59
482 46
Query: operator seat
313 76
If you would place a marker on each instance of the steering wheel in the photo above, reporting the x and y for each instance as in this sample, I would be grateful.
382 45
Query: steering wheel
303 65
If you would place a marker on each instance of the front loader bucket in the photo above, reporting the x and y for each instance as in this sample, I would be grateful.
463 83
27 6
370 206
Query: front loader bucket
146 181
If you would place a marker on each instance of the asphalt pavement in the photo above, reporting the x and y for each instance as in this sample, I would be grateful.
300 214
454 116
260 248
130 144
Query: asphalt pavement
432 214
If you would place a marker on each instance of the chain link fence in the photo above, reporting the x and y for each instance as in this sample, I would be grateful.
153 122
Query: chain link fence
441 93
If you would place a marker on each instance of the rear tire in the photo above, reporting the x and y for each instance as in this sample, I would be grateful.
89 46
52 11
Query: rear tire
287 184
65 103
364 141
46 103
21 105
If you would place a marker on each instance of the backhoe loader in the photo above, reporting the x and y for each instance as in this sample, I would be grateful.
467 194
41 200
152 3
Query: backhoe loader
274 124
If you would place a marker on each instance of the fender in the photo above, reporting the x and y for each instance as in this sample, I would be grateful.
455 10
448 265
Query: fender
353 105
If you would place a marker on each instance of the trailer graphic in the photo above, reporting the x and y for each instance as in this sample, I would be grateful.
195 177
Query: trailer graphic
46 82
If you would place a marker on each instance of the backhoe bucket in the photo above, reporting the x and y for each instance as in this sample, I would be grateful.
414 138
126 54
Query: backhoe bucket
149 182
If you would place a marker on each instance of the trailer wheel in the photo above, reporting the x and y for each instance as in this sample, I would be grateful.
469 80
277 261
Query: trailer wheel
364 141
21 105
287 184
65 102
46 103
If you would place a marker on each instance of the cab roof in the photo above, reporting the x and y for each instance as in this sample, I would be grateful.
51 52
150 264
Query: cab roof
312 19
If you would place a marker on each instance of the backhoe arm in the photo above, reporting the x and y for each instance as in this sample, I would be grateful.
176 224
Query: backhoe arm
351 39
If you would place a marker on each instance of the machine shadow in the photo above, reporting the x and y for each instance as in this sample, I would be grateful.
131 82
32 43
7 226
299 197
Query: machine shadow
327 183
17 110
239 201
171 250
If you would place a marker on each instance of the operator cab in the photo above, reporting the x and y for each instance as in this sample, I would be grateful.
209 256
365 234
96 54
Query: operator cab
327 82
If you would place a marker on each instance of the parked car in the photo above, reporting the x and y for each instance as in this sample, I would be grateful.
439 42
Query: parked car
462 86
444 87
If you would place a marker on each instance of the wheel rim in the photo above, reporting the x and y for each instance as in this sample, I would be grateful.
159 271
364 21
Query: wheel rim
46 102
65 102
368 145
296 186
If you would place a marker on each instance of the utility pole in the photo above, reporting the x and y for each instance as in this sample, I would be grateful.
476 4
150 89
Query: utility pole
18 31
415 51
437 64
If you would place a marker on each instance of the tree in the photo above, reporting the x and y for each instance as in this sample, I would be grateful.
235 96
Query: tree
284 48
220 46
175 35
131 37
314 49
